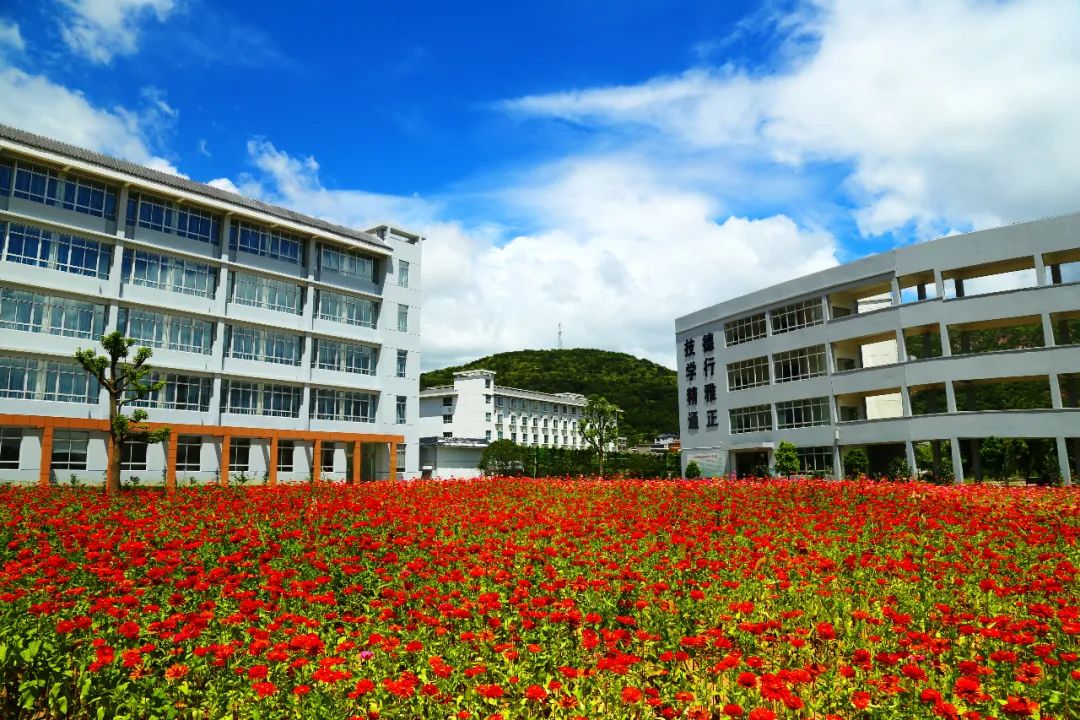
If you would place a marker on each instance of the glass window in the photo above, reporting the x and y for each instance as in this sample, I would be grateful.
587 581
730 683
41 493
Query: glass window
249 343
285 455
74 192
165 272
165 216
402 362
32 245
403 273
133 455
69 450
447 419
345 357
264 292
259 240
401 404
170 332
10 444
32 312
189 453
797 315
403 318
747 373
240 455
750 419
181 392
744 329
242 397
400 460
66 382
799 364
6 170
803 413
327 463
815 459
347 262
343 405
347 309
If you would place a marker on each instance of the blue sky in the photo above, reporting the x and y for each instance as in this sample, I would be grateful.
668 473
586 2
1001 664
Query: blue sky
604 165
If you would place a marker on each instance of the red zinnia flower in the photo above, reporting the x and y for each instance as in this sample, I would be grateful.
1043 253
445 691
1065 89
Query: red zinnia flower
535 692
631 695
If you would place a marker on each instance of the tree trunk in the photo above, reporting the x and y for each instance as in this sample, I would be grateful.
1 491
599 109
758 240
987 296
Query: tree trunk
112 474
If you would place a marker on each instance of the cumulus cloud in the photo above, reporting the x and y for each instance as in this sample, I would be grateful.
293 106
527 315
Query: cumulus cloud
11 39
947 113
102 29
35 103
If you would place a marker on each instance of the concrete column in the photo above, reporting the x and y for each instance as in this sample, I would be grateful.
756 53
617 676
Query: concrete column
838 462
272 463
316 460
950 397
307 404
170 462
939 285
1048 330
895 288
826 311
768 320
45 466
1040 270
909 449
226 448
957 461
216 388
1063 460
905 400
901 346
946 347
1055 392
121 210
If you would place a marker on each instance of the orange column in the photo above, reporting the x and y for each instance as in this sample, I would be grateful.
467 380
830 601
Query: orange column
355 477
45 474
393 461
170 463
272 469
226 442
316 460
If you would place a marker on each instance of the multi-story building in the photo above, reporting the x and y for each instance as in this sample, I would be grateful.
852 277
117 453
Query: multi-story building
289 346
458 421
946 343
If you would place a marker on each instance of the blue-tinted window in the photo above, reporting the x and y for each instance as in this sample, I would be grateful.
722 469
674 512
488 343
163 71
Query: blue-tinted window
74 192
164 216
5 177
260 240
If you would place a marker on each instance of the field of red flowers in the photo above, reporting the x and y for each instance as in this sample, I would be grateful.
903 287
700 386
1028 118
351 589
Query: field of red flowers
514 598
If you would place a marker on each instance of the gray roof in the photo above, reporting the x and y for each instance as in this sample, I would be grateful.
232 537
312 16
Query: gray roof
180 183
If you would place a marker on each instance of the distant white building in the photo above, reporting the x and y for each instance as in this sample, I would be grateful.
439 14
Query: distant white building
458 421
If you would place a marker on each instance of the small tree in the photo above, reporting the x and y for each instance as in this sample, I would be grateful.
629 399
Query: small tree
787 459
502 457
856 463
125 382
600 426
899 469
692 470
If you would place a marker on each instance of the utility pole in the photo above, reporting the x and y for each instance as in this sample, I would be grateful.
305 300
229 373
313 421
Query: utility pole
560 336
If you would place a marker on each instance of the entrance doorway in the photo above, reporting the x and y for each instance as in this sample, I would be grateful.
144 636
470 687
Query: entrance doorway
751 463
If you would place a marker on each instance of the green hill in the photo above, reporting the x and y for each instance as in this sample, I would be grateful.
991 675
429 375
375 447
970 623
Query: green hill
646 392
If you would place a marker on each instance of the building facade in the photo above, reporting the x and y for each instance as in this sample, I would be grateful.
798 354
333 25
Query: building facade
922 352
458 421
289 346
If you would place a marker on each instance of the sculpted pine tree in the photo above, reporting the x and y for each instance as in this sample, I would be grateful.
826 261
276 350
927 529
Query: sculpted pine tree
600 427
125 382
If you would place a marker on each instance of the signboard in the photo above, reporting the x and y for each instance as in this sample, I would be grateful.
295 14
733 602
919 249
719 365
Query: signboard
711 463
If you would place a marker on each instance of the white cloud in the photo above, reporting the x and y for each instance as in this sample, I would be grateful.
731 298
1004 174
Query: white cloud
103 29
37 104
619 252
948 112
11 38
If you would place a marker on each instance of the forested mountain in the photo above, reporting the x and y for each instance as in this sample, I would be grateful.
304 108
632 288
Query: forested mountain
646 392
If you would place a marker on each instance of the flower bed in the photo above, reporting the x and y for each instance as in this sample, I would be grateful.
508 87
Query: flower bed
542 599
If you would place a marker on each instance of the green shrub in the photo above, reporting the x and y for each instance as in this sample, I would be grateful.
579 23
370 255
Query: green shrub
856 463
692 471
